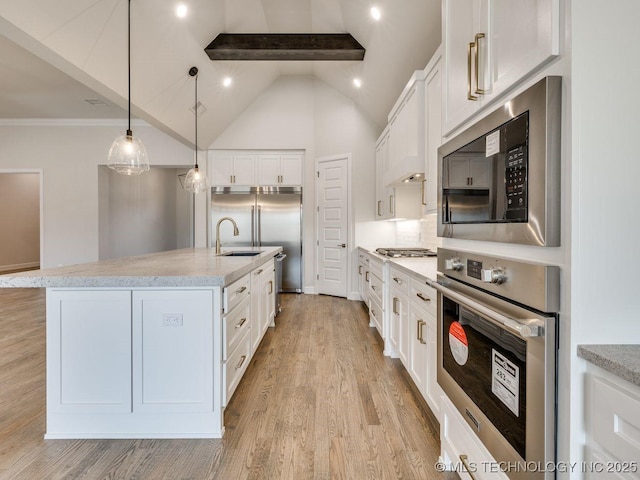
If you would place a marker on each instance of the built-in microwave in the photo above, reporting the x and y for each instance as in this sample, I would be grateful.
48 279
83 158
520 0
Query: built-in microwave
499 180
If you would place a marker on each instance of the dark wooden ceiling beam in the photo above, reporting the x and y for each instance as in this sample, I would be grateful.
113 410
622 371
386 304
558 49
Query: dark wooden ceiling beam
285 46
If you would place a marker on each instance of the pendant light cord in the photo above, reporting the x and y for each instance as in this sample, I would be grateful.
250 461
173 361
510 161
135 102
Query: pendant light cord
196 112
129 132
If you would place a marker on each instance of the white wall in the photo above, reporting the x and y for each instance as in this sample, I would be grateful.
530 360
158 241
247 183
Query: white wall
69 152
300 112
142 213
19 220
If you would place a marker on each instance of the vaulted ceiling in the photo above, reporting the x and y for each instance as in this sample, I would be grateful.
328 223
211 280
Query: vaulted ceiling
56 54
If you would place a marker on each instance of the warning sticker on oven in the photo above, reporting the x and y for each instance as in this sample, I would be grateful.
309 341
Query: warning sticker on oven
505 381
458 343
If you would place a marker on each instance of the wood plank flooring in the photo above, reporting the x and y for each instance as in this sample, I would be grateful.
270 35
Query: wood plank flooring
319 401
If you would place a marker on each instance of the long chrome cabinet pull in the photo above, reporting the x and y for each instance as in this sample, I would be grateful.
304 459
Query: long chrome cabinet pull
395 306
259 225
391 204
422 297
242 359
241 323
477 38
467 467
422 190
253 225
359 269
469 95
270 286
379 204
366 276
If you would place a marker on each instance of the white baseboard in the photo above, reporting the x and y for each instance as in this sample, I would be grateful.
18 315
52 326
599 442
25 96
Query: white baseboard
310 290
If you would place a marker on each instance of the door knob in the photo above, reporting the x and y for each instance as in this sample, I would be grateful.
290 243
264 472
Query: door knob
343 245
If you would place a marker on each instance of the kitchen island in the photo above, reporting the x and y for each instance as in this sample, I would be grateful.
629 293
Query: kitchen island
151 346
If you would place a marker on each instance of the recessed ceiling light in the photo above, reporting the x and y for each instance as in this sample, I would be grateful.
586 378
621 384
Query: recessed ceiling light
181 10
227 81
357 82
376 14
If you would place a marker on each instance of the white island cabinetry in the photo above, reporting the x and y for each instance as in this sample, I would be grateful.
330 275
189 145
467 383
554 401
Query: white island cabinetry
150 346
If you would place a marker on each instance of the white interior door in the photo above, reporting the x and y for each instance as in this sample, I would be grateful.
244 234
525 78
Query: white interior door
333 225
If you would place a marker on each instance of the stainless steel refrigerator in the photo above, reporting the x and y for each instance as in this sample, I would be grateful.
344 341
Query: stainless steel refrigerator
266 216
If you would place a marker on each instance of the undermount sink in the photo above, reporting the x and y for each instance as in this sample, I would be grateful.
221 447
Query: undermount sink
239 254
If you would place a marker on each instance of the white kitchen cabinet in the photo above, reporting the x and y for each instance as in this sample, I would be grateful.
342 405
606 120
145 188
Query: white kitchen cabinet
612 426
489 46
280 169
172 357
232 169
90 371
363 274
466 171
384 207
461 449
399 316
406 127
268 299
433 129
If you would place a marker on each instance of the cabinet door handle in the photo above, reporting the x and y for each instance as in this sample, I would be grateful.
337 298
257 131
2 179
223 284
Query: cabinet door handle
423 190
421 296
242 359
241 323
359 269
379 204
259 272
469 95
366 276
478 36
270 286
421 323
391 204
395 305
240 290
397 280
373 287
467 467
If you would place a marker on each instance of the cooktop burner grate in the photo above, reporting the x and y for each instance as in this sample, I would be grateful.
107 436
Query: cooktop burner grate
406 252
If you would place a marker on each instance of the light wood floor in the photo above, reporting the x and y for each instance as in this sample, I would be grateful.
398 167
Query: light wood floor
319 401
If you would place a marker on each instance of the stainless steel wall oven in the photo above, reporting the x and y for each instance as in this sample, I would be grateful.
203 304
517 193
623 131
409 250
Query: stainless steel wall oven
500 179
497 327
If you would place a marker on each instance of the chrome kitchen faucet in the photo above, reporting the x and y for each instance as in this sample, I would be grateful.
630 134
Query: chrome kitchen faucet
236 232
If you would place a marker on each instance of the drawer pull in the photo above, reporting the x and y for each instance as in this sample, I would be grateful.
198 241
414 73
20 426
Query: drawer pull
395 306
373 287
366 276
242 322
259 272
270 286
240 290
241 362
359 269
397 280
422 297
467 467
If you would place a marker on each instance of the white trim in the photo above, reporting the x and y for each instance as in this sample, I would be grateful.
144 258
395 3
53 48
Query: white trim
70 122
40 173
350 225
19 266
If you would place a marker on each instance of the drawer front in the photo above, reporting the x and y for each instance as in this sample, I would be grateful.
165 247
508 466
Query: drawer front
235 324
375 315
268 266
236 365
375 287
422 294
399 280
236 293
375 266
614 417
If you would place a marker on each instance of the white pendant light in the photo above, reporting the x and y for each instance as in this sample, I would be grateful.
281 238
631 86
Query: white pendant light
127 154
196 180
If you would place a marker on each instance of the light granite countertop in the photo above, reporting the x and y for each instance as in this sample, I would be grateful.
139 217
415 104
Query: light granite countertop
425 267
188 267
620 360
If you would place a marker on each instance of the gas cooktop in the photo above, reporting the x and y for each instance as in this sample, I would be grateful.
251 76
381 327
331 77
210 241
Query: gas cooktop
396 252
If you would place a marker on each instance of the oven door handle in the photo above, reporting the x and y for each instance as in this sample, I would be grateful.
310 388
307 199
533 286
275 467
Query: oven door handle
523 330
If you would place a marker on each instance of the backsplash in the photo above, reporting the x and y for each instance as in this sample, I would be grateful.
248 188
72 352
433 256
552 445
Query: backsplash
417 233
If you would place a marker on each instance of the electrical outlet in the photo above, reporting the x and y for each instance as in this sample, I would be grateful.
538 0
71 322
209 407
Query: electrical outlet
172 320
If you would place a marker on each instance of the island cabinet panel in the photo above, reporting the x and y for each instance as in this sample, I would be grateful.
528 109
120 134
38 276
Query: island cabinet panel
90 371
172 356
